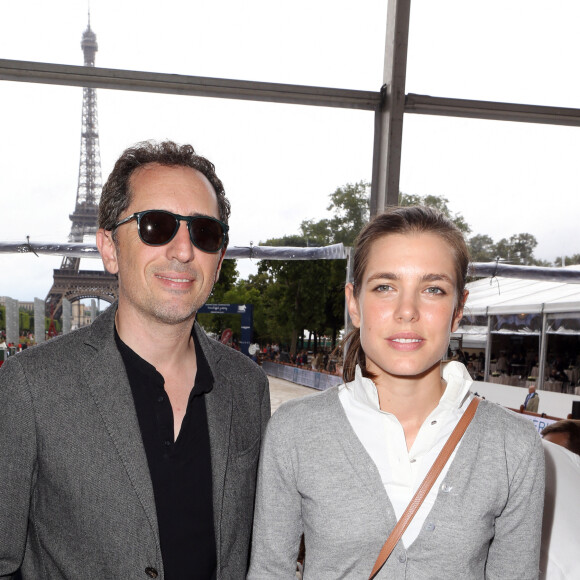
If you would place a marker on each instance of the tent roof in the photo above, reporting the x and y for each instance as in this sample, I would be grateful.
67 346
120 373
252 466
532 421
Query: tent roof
499 295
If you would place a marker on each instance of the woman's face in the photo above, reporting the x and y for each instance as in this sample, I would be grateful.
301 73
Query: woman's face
406 307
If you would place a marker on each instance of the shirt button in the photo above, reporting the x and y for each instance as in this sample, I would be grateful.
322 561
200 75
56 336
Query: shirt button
167 443
430 526
433 422
446 487
413 460
160 399
151 572
402 557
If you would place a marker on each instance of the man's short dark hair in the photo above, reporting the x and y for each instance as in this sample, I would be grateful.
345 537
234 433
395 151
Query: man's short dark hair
570 427
116 194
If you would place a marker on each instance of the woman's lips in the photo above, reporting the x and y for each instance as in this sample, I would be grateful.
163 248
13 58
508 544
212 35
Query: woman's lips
405 341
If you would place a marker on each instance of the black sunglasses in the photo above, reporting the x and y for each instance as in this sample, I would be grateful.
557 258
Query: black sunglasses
158 227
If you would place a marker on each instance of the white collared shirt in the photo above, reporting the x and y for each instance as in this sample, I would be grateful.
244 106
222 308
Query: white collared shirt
383 438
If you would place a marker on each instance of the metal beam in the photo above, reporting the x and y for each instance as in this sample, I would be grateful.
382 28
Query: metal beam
81 250
426 105
543 351
481 269
126 80
389 116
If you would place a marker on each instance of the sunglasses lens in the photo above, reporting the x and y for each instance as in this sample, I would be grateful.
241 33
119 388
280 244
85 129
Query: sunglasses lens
206 234
157 227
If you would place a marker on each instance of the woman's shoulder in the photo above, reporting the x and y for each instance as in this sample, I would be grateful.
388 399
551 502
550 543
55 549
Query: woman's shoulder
309 405
306 412
506 418
507 428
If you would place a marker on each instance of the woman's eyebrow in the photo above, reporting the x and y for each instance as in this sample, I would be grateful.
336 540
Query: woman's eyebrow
424 278
436 278
383 276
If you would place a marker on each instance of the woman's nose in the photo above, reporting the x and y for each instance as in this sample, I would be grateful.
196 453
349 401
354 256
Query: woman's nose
407 309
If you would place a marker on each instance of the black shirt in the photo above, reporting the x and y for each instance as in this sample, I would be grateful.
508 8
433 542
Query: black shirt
180 470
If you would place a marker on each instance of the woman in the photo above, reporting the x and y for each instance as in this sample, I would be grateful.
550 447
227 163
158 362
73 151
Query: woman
342 466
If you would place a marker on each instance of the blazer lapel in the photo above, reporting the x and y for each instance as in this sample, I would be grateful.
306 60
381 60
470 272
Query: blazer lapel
110 389
219 402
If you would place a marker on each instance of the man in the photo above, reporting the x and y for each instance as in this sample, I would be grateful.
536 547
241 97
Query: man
129 449
565 432
532 400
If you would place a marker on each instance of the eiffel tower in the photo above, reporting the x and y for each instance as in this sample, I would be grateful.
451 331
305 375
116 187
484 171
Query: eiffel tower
69 281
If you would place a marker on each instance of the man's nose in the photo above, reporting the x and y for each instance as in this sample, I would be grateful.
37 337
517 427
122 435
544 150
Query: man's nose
180 246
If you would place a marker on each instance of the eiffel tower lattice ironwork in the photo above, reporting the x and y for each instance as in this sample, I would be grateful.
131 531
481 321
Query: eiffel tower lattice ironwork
69 281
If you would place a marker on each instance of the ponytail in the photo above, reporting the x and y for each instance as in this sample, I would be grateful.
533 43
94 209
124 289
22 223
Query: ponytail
355 355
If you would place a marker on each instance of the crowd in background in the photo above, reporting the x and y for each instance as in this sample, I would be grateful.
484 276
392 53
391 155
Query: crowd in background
323 360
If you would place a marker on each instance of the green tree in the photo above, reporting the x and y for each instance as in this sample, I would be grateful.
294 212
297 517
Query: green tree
309 295
482 248
296 296
227 280
565 260
299 296
350 205
245 293
518 249
242 292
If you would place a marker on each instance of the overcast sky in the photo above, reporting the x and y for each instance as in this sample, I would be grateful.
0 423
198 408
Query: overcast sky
279 163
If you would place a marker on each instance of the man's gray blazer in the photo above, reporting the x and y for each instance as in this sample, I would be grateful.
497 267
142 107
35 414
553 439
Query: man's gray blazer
76 499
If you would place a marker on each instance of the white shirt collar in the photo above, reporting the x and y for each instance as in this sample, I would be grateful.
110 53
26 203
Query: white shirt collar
454 373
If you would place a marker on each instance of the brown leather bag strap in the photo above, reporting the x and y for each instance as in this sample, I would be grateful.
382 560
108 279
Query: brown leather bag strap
425 486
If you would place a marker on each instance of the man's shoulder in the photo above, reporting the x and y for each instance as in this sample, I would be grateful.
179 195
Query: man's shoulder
57 351
59 346
228 362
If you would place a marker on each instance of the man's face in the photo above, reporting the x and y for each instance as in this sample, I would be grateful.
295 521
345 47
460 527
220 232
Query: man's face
168 283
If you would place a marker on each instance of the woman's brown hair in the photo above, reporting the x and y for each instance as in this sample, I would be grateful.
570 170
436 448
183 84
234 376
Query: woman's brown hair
406 221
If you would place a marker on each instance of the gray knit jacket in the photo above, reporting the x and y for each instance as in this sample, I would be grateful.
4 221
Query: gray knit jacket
316 478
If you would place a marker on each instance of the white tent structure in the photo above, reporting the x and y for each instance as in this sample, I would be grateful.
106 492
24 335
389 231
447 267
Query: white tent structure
519 308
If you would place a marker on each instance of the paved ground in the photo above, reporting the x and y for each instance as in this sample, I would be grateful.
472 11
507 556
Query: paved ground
281 390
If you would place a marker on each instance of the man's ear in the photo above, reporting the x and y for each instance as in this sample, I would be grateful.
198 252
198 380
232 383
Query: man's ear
352 305
459 311
108 250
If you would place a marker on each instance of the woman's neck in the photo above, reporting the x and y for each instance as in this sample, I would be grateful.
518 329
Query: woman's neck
411 399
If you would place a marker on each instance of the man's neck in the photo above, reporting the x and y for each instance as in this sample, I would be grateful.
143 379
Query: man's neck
161 345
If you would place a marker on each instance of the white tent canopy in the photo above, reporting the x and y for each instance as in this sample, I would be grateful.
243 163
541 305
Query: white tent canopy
513 306
513 295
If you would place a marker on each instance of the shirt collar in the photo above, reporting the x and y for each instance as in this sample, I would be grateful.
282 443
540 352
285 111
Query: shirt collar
454 373
140 367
